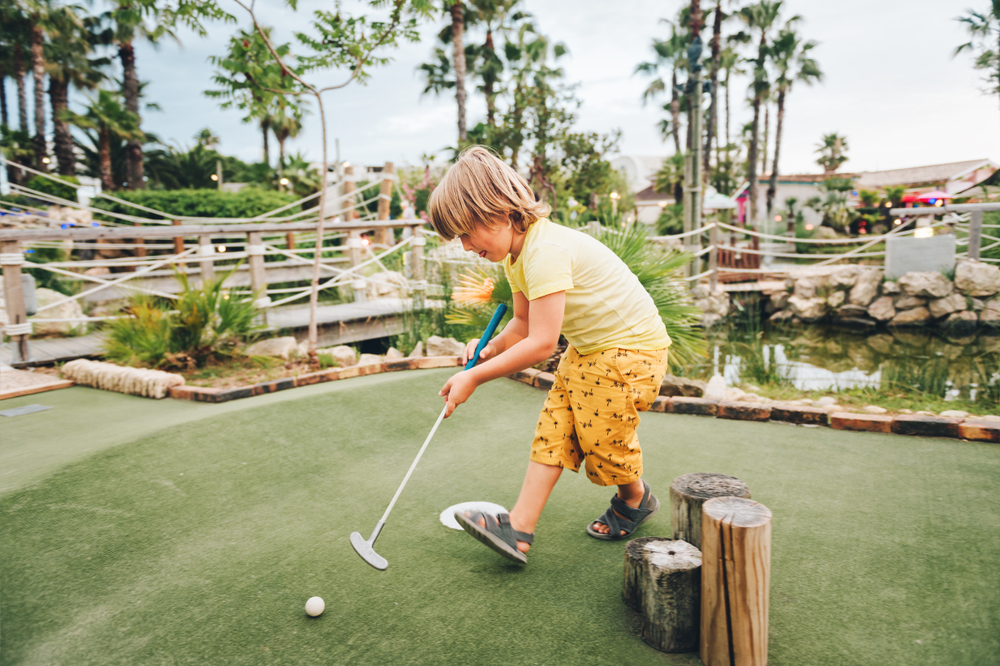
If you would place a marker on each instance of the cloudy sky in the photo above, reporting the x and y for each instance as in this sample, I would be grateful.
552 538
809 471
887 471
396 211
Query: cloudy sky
892 85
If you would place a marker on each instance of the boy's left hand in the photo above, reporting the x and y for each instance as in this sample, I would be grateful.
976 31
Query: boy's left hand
457 390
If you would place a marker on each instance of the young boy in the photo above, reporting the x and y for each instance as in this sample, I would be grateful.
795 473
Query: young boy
563 281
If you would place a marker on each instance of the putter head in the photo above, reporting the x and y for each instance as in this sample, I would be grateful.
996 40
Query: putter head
367 553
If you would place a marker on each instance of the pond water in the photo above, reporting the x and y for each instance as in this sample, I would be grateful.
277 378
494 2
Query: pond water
818 357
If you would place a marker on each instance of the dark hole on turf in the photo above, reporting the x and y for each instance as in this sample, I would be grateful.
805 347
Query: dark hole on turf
671 552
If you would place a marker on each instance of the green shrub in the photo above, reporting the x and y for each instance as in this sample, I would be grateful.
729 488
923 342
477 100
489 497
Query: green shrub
671 220
248 202
56 189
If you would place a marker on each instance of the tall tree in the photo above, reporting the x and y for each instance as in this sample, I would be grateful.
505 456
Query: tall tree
671 55
984 30
68 62
792 61
455 9
106 115
15 31
37 14
759 18
832 149
715 45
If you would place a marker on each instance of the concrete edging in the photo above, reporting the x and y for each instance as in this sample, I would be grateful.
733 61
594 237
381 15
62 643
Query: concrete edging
970 429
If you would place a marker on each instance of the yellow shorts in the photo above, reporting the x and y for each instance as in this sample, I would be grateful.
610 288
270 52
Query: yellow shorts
592 411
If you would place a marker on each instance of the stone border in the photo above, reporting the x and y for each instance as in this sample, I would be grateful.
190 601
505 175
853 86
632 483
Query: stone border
214 395
970 429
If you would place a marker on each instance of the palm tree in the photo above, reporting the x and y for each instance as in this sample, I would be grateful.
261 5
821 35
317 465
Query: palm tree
671 55
730 61
792 62
15 34
177 168
761 18
206 138
456 9
831 149
285 126
109 118
984 30
38 15
497 15
670 177
71 41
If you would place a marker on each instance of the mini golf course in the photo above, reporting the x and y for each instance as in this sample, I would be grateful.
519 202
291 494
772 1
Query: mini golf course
149 532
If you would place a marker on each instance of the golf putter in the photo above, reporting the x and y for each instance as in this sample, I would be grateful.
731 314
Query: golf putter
366 549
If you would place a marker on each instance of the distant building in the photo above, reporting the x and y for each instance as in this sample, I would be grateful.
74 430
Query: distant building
639 170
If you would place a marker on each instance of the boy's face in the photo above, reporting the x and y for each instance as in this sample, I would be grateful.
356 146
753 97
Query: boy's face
493 243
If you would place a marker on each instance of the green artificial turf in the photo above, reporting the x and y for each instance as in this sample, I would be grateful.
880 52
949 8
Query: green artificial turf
199 539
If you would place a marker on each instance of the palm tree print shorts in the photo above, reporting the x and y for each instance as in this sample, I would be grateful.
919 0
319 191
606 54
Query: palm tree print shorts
592 411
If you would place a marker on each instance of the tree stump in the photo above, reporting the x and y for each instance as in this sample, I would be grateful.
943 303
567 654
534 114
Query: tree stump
663 583
689 492
735 581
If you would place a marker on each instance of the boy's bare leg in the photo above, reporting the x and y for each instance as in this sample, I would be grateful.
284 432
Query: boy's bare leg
631 494
539 481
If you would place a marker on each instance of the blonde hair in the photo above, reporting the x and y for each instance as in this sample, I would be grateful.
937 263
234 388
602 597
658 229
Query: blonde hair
480 187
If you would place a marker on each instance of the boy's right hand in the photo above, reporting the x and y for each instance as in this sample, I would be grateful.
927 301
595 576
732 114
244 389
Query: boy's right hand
470 351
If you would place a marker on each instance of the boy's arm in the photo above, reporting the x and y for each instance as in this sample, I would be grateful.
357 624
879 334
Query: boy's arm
544 322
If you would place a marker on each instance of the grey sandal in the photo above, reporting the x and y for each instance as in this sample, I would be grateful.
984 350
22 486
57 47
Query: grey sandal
626 519
498 533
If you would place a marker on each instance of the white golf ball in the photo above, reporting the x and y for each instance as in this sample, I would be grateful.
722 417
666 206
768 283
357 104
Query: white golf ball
315 606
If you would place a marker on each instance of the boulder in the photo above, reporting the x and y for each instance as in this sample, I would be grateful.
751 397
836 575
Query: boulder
866 287
438 346
874 409
393 354
344 355
682 386
914 316
882 309
964 318
942 307
906 302
418 351
991 311
836 299
370 359
387 284
782 315
715 389
975 278
283 347
928 284
890 287
807 309
68 310
780 301
852 311
825 401
825 233
845 276
804 288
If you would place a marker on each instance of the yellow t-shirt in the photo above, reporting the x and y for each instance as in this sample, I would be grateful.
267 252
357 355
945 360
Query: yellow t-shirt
606 306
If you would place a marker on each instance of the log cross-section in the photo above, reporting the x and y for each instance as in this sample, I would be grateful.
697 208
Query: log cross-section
735 580
687 495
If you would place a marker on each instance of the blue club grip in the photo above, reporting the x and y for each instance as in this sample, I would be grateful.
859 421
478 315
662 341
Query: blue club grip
487 335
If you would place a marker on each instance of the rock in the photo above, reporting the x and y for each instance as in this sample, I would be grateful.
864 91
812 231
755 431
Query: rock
734 394
804 288
905 411
370 359
954 413
924 412
991 311
700 291
929 284
975 278
780 301
344 355
710 320
874 409
890 288
97 271
825 401
825 233
941 307
417 352
782 315
964 318
836 299
977 304
284 347
882 309
905 302
989 417
866 287
807 309
844 276
438 346
715 389
833 409
852 311
914 316
387 284
393 354
68 310
682 386
302 349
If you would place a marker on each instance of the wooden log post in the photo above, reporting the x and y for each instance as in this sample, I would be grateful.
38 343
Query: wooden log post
663 583
258 276
347 204
687 495
354 254
18 327
206 252
385 236
975 233
735 582
417 255
290 241
178 240
713 258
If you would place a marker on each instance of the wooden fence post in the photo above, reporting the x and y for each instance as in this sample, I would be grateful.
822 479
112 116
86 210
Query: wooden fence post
207 253
417 255
18 327
385 236
141 242
713 257
348 203
258 276
735 580
178 240
354 253
975 233
687 495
